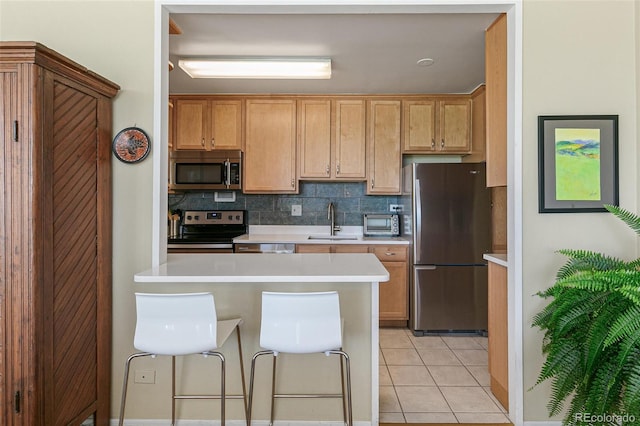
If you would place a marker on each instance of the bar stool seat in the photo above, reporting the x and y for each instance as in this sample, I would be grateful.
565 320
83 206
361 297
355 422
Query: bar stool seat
302 323
182 324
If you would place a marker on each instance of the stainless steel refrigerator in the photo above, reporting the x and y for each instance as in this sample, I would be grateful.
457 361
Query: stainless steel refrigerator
450 227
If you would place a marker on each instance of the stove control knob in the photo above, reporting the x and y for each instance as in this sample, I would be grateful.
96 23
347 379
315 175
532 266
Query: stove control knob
238 218
230 217
189 217
196 217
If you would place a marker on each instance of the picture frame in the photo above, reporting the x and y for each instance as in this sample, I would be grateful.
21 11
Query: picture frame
578 163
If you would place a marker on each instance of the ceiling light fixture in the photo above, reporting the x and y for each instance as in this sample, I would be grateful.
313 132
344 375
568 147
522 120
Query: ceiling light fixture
425 62
257 67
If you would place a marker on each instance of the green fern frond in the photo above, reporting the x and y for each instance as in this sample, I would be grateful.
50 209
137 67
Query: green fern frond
584 260
631 219
599 327
604 392
631 397
631 292
626 324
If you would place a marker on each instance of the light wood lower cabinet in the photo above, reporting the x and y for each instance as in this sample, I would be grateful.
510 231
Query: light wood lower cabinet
393 294
498 333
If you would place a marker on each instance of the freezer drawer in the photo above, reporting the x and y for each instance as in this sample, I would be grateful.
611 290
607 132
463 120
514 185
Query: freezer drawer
449 298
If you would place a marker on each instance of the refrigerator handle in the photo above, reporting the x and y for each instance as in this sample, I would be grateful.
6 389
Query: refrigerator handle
425 267
417 218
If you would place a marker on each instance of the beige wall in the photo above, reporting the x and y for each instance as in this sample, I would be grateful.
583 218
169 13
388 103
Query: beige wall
578 58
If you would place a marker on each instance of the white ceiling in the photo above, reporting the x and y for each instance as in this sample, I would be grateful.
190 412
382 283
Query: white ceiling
370 53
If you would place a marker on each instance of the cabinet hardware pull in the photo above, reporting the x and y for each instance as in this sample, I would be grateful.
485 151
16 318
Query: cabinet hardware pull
203 142
390 254
328 169
213 142
15 131
372 183
16 402
442 143
338 168
433 143
292 183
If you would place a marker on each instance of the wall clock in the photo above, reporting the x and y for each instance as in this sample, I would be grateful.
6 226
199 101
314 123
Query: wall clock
131 145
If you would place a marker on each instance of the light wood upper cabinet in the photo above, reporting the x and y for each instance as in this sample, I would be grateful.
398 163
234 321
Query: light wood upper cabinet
270 146
419 125
207 124
455 125
350 139
384 156
314 139
433 125
331 139
496 107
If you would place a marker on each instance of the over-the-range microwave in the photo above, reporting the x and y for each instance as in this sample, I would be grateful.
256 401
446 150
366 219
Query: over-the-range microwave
205 170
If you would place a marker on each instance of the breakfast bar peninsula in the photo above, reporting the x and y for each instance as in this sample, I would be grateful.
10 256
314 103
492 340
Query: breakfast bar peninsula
237 282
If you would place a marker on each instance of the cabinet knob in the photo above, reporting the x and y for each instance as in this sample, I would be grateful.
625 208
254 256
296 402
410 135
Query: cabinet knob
372 183
433 143
203 142
442 143
213 142
293 183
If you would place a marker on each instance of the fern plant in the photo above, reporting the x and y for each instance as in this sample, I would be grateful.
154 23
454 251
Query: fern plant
592 336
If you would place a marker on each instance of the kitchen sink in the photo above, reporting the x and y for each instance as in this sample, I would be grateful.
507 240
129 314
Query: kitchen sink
333 237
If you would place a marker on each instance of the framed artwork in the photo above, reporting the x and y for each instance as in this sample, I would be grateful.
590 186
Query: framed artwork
578 163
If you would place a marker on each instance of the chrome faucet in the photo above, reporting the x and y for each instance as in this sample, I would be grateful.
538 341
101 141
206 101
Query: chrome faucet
331 215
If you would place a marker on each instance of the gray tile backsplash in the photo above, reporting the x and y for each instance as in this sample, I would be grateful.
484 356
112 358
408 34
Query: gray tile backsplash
349 199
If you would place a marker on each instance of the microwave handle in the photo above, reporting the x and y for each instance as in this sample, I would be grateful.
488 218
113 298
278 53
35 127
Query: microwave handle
227 178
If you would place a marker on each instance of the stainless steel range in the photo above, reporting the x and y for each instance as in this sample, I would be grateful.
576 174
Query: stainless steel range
208 231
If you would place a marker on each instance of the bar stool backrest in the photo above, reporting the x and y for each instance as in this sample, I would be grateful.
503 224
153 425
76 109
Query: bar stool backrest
301 322
175 324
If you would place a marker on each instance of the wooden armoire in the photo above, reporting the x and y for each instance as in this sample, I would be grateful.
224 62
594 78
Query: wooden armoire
55 239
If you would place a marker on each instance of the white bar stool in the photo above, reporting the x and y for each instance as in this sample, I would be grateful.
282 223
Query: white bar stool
302 323
182 324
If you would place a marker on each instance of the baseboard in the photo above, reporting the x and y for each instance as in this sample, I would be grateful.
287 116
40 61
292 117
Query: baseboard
167 422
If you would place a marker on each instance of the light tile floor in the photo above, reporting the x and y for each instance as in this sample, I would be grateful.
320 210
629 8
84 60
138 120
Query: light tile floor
435 379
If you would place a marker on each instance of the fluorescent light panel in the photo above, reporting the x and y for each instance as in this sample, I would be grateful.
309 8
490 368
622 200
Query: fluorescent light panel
267 68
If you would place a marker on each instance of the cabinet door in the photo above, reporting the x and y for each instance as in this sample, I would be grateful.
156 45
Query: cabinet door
496 115
190 124
314 138
384 147
313 248
419 125
394 295
498 333
351 248
455 125
350 145
270 147
225 124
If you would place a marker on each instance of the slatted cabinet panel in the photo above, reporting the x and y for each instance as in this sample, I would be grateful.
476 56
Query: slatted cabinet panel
55 276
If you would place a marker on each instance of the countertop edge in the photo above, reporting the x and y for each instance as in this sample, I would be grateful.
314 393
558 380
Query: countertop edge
265 268
497 258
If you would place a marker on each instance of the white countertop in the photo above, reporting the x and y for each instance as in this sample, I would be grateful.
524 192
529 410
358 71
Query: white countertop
252 268
274 234
497 258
